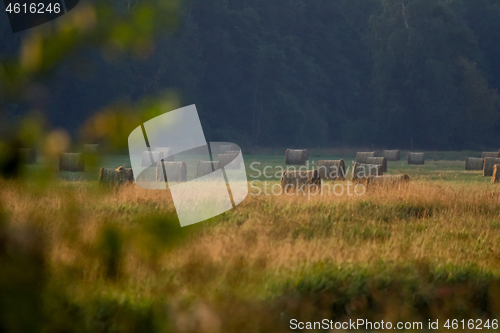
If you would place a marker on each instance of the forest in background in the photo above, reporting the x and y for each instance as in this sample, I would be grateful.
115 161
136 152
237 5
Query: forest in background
420 74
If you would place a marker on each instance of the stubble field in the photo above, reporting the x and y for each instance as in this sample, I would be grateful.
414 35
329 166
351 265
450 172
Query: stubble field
115 260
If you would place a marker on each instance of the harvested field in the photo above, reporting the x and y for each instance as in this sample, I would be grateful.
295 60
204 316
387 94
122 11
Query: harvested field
437 232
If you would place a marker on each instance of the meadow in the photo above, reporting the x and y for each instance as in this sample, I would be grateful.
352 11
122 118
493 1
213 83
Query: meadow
76 256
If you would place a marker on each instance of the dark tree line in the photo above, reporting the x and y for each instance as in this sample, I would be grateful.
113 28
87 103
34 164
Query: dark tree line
421 74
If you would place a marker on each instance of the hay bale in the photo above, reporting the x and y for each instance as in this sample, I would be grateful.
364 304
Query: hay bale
168 154
485 154
175 171
28 155
225 159
119 176
150 158
296 156
415 158
363 170
301 181
206 167
388 180
495 178
74 162
489 163
361 156
382 161
391 155
331 169
473 163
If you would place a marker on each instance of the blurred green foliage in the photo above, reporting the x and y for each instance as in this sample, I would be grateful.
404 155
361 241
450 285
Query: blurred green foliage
35 297
101 25
414 292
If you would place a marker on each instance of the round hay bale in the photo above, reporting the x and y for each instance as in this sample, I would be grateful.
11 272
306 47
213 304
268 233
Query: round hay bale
331 169
377 160
363 170
496 174
225 159
473 163
361 156
388 180
28 155
296 156
151 158
415 158
485 154
206 167
175 171
168 154
301 181
489 163
74 162
119 176
391 155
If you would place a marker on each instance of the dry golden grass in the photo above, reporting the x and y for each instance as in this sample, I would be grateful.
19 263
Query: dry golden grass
252 251
432 221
